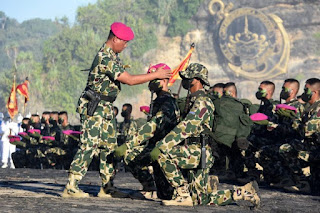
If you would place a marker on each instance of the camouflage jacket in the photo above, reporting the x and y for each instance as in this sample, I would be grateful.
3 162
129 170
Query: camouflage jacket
198 118
128 128
68 140
287 127
268 108
165 116
311 120
104 71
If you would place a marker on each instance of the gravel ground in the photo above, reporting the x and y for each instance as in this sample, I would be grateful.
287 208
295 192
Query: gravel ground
30 190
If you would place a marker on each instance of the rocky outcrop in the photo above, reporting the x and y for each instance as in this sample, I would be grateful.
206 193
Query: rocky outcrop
301 19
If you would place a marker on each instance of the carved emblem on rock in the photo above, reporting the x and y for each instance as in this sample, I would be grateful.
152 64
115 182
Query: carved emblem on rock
255 45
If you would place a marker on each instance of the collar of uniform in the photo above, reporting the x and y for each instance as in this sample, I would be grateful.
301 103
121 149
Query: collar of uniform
200 92
291 101
162 93
109 51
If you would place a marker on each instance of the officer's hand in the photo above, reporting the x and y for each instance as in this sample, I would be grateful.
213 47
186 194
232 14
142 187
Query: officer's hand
263 122
163 73
286 113
155 154
120 150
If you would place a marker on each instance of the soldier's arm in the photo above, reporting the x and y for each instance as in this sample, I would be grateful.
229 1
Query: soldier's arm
186 128
146 131
129 79
313 125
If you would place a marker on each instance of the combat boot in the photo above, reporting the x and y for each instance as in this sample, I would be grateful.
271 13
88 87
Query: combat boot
183 198
213 183
109 191
149 190
247 192
301 187
72 189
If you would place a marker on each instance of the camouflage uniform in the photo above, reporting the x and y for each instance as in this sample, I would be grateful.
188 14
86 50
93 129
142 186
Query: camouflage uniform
260 138
299 154
127 128
55 151
176 155
99 131
165 116
70 144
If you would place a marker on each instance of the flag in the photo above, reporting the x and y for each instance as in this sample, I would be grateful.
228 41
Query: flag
182 66
12 105
22 89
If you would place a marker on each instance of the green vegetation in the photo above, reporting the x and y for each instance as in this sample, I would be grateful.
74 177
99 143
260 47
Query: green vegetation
52 53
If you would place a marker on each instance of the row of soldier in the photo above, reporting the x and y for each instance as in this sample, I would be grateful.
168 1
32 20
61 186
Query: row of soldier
46 142
281 148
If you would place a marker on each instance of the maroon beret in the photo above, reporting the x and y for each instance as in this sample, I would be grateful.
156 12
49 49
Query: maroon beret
122 31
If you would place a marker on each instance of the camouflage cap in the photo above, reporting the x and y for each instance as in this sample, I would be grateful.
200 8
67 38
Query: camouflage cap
196 70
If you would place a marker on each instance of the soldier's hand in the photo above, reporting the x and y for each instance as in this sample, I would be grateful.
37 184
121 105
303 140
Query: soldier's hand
154 154
263 122
286 113
120 150
163 73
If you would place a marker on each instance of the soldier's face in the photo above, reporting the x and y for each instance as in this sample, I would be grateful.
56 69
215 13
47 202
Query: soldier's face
119 45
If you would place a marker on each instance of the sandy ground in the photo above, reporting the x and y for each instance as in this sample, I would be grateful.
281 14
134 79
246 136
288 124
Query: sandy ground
30 190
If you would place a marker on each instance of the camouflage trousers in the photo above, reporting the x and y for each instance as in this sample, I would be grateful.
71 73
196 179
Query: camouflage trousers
137 162
188 158
275 168
98 138
290 156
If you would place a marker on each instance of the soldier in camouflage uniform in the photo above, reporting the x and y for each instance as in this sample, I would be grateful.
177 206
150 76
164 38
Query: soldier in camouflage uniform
260 136
307 150
128 126
69 142
54 149
99 128
174 153
136 151
45 124
284 132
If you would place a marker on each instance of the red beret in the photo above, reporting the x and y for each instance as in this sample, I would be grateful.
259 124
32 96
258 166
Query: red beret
152 68
122 31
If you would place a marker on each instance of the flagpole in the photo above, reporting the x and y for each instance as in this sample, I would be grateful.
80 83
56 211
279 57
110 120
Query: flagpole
179 90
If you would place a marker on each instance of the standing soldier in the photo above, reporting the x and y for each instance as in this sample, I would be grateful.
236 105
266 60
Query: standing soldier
174 153
95 107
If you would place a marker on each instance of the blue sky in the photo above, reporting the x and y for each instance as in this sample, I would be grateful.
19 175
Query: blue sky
23 10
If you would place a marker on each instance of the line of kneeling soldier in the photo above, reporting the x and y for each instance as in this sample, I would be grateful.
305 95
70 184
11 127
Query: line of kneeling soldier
49 142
